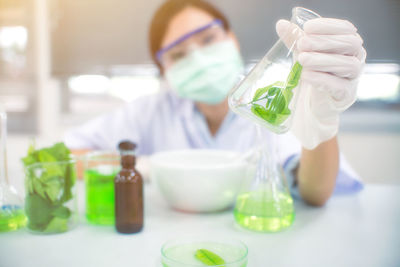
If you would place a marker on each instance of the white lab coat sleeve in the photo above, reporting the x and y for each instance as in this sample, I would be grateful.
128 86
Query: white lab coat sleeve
105 132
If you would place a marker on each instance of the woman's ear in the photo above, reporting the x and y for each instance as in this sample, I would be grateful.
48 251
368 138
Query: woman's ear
234 38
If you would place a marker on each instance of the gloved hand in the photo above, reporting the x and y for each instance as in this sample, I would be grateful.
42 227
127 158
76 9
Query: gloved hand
332 56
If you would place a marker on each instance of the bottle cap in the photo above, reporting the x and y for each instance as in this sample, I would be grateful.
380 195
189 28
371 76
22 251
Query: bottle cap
126 145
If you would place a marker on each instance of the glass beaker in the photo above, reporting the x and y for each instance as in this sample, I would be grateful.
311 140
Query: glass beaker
12 215
101 167
267 205
268 94
51 196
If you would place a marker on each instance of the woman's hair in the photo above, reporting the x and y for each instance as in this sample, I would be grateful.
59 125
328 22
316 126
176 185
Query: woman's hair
167 11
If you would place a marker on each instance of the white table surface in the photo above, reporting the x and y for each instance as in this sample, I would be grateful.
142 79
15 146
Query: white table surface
357 230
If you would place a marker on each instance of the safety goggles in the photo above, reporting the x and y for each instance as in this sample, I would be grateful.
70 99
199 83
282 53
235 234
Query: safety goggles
208 34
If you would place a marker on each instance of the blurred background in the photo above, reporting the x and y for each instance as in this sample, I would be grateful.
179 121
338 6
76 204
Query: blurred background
63 62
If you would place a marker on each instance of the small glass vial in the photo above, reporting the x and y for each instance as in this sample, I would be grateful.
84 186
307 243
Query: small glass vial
128 192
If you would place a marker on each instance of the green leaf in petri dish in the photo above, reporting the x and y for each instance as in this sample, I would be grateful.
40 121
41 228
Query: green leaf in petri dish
208 258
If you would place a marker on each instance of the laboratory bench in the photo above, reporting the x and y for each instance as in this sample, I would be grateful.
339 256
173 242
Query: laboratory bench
362 229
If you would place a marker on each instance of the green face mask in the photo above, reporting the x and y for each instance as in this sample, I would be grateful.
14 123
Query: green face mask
207 74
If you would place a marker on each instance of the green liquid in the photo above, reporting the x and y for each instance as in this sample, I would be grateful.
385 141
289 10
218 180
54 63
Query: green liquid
184 255
100 194
258 211
11 218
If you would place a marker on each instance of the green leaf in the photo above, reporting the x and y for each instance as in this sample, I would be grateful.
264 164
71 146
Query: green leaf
261 91
59 151
62 212
277 103
263 113
57 225
276 110
39 212
30 157
52 169
294 76
70 178
38 187
208 258
29 185
54 188
45 156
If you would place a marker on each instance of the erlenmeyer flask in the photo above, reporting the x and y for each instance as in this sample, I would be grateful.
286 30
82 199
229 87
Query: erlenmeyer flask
268 95
266 206
12 216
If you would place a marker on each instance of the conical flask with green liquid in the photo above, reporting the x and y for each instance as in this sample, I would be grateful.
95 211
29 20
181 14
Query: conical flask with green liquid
266 204
267 96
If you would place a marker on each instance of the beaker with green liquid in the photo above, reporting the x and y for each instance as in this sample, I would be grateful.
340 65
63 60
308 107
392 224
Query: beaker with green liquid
268 94
101 167
12 215
266 204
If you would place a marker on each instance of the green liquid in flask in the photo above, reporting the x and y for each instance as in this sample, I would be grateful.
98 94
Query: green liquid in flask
100 197
258 211
11 218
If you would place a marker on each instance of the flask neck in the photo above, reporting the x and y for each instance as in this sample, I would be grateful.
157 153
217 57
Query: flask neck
268 166
301 15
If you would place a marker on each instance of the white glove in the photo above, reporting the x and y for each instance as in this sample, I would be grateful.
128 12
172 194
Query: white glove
332 56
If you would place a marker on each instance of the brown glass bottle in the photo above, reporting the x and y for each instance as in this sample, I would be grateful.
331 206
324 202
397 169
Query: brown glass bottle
128 192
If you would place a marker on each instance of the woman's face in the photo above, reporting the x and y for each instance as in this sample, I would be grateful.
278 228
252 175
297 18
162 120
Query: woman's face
187 21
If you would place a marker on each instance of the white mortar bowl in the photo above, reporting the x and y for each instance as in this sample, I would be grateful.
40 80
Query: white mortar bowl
199 180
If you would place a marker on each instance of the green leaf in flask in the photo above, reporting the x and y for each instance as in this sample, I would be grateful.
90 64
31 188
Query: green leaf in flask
294 76
268 89
276 109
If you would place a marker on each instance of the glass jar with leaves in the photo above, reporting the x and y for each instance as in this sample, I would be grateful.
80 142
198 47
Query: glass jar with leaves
50 202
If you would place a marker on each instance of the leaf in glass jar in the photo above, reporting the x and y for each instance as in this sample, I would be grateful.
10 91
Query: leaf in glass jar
51 168
62 212
57 225
60 151
39 212
38 187
54 187
70 178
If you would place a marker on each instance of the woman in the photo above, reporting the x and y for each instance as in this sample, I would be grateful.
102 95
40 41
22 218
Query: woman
198 55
